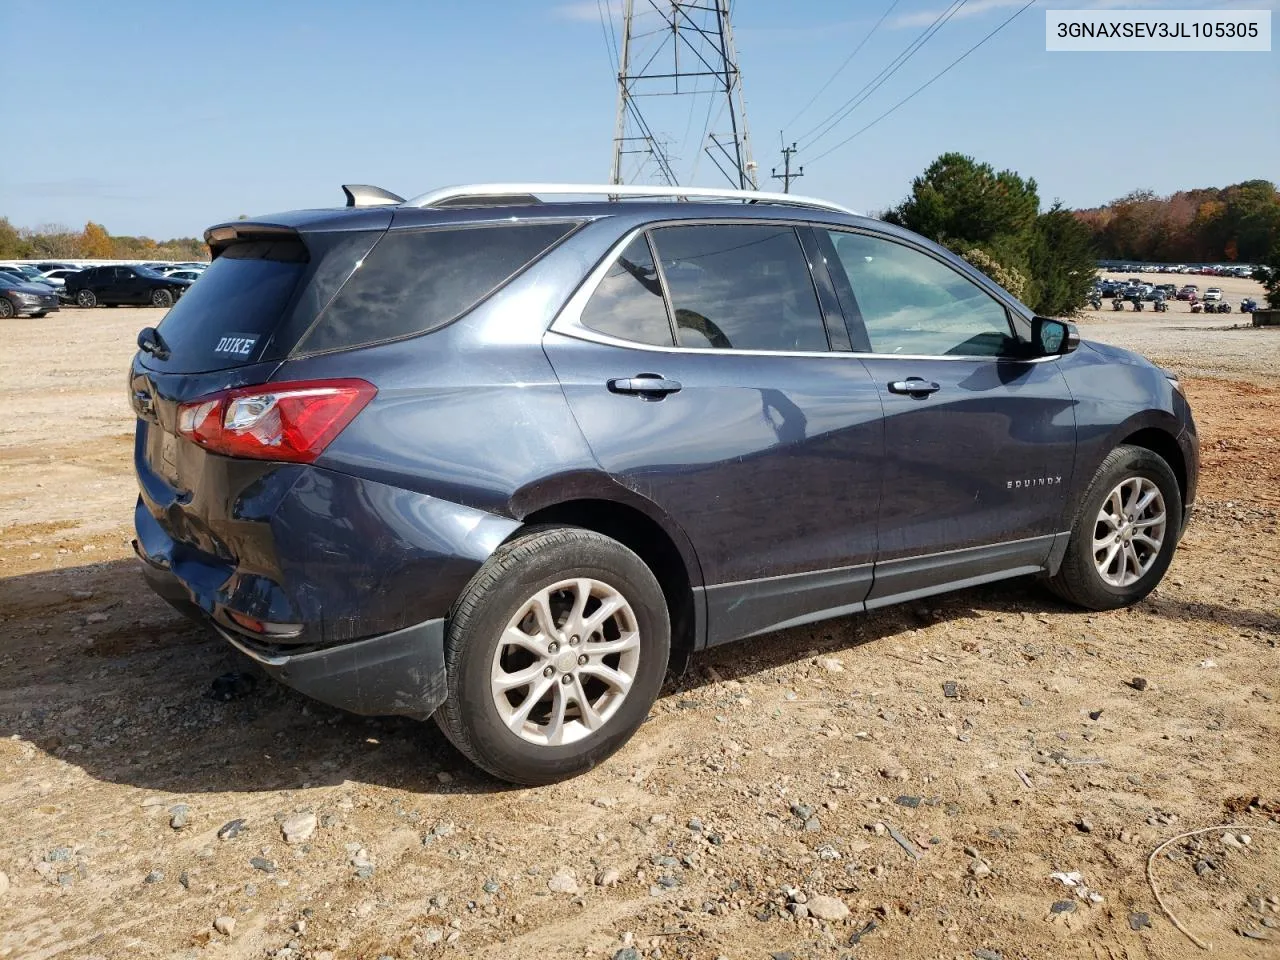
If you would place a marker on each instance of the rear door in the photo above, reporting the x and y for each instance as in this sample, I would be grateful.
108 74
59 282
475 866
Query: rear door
980 441
117 287
698 362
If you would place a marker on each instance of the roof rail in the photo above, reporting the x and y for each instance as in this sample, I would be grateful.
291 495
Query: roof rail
487 194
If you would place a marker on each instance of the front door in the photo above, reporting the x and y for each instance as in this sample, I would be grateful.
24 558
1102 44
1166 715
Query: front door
722 403
980 441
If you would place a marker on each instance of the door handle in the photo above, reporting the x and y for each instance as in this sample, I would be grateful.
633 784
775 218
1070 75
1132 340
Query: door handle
648 386
914 387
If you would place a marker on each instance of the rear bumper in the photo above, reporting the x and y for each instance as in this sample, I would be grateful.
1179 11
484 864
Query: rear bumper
400 673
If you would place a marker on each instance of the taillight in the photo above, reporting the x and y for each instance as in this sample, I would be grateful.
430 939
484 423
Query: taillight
291 421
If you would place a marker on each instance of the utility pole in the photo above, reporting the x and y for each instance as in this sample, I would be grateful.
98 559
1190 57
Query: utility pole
786 176
694 40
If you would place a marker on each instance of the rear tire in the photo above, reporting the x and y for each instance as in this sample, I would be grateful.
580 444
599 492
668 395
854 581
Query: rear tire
1125 532
161 298
86 299
591 638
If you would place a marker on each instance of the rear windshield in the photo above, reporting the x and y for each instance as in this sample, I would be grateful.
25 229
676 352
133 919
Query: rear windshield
416 281
223 320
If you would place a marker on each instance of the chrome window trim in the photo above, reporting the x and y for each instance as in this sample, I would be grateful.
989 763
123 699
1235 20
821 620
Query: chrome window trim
569 321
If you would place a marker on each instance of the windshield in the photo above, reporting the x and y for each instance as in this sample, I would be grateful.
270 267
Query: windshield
148 272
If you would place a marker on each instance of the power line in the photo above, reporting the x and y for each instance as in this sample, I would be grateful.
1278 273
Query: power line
839 69
842 112
937 76
611 47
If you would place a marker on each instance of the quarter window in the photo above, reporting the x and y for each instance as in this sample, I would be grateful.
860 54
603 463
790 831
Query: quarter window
628 303
913 304
414 281
740 287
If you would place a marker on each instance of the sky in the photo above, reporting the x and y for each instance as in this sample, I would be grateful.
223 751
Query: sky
160 119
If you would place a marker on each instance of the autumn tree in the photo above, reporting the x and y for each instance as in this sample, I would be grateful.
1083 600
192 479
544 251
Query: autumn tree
1238 223
12 244
95 242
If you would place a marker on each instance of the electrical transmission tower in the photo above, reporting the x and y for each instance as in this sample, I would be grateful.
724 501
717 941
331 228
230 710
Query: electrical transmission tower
688 52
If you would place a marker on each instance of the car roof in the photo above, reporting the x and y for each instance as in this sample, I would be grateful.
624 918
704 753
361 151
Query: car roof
628 214
371 208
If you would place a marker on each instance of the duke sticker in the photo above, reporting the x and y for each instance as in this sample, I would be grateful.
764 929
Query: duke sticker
236 345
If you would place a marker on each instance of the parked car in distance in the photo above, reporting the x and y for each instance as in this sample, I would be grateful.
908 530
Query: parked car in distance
496 474
26 273
58 280
49 265
1212 294
115 285
21 299
1168 289
59 276
1188 292
191 275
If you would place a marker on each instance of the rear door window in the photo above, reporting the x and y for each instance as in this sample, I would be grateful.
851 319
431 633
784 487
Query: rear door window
740 287
414 281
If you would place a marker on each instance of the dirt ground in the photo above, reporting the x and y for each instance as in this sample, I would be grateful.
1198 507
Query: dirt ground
825 761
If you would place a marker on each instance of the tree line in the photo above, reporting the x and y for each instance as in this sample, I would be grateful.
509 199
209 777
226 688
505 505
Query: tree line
94 242
1048 259
1235 224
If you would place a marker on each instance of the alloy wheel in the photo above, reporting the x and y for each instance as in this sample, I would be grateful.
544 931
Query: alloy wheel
565 662
1129 531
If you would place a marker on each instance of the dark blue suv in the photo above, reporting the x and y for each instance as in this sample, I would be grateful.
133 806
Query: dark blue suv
491 454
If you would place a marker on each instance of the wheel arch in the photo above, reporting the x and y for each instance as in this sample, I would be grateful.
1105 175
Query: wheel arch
661 545
1165 445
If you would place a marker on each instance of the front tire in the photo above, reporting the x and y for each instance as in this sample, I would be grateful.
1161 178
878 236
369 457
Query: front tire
1125 532
6 308
86 299
161 298
554 653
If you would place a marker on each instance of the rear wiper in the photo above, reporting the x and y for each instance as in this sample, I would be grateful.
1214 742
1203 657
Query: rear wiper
150 341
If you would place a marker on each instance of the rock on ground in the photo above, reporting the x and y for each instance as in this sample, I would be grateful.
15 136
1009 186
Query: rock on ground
299 828
826 908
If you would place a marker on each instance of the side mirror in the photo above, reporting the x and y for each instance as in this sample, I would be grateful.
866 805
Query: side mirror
1051 338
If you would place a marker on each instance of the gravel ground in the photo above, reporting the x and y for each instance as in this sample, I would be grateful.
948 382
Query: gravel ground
821 792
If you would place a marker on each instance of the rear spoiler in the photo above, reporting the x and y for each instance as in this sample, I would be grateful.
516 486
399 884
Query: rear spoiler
220 237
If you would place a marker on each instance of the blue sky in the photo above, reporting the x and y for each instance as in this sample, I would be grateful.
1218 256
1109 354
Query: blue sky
161 118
